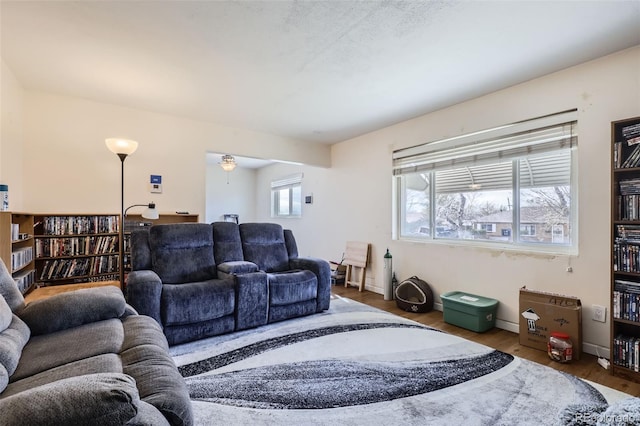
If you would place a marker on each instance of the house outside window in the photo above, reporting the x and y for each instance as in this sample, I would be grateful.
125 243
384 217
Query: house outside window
512 185
286 196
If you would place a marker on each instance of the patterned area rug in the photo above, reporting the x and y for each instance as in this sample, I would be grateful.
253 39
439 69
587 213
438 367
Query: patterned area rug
356 365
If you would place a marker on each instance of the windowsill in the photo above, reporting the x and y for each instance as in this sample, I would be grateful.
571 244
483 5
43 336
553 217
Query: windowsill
497 247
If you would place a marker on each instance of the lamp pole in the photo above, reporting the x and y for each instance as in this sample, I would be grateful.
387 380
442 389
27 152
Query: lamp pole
121 227
122 148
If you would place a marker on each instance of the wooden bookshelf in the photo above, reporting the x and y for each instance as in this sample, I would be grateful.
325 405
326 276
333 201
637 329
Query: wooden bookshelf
625 243
16 248
76 248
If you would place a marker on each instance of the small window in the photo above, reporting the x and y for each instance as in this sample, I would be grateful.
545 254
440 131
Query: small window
286 197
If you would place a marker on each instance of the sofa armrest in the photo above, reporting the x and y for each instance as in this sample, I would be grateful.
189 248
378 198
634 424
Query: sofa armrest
144 289
79 307
98 399
148 415
236 267
252 303
322 270
129 310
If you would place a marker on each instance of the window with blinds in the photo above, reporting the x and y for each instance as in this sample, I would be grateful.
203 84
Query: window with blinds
286 196
512 185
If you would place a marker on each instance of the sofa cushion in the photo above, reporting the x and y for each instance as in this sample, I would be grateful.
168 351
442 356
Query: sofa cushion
290 242
12 341
264 245
292 287
148 415
194 302
6 314
183 252
9 290
177 334
107 363
227 244
294 310
52 350
95 399
140 253
159 382
142 330
4 378
80 307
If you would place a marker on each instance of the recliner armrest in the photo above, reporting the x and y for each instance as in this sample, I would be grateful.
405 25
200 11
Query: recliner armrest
72 309
143 292
236 267
322 270
315 265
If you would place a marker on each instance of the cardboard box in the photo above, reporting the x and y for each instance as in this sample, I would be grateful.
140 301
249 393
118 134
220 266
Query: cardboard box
542 313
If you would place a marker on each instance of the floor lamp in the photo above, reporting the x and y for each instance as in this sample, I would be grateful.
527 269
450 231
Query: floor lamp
122 148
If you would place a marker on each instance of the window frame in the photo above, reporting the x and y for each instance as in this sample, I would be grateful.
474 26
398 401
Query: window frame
289 184
516 243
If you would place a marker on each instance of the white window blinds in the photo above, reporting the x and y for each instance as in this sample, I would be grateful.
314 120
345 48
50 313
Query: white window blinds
482 152
547 169
287 181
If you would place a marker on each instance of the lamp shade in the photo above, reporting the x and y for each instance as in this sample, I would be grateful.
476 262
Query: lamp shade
151 212
121 146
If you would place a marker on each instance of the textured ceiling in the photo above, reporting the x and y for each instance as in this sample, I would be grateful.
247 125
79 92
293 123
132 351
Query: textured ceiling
318 71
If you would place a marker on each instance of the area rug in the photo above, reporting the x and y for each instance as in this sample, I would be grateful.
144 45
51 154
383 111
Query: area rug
356 365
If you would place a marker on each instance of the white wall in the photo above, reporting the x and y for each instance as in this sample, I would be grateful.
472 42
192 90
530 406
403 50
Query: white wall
353 198
238 196
71 170
11 146
313 231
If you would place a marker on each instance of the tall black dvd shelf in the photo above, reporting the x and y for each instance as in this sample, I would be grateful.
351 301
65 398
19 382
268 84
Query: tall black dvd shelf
625 241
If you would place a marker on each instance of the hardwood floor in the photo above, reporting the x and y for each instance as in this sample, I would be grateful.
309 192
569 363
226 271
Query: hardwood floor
505 341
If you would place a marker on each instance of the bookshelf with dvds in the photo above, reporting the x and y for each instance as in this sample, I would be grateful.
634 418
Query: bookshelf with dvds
625 243
16 248
75 248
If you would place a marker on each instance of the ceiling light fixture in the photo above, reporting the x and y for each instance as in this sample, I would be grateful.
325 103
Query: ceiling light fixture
228 163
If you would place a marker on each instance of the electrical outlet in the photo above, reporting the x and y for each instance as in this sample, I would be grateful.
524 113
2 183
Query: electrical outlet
599 313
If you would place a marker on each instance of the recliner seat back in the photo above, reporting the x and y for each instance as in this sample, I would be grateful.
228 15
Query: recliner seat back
264 244
182 253
227 244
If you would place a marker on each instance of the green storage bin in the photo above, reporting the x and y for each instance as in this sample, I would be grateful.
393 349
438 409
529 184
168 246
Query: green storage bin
475 313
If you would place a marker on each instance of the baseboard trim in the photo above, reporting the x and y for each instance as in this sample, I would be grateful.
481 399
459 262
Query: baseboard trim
589 348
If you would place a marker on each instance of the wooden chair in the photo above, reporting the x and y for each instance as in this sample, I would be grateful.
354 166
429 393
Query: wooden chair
356 258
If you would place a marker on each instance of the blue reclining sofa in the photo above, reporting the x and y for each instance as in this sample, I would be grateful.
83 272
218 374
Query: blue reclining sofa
198 280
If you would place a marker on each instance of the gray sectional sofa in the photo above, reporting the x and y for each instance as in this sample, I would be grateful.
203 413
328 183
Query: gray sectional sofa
198 280
85 358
